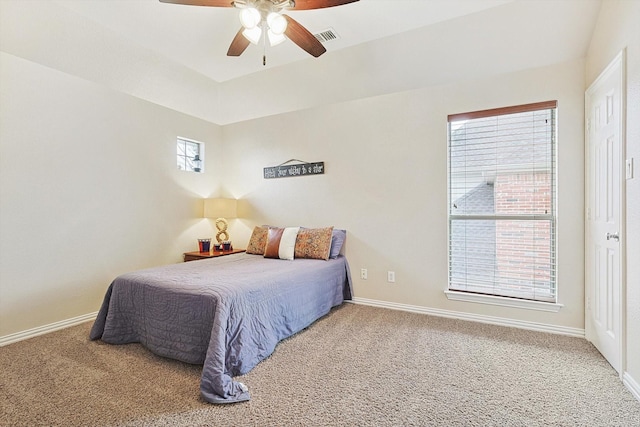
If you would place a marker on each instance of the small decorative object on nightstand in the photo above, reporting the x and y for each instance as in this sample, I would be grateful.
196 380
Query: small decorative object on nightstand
192 256
204 245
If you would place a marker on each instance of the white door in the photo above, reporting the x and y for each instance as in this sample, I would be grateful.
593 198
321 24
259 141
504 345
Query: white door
605 104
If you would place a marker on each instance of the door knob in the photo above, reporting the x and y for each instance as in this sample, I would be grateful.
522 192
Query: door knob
613 236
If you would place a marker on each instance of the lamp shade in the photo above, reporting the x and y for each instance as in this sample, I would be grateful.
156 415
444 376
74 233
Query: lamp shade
275 39
250 17
277 23
220 208
253 34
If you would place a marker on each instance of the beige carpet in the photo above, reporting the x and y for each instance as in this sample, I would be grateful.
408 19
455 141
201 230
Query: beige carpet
358 366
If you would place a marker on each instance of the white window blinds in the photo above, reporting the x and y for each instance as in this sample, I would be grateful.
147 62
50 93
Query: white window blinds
502 208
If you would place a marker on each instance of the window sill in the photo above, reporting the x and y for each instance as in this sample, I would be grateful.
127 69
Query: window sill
503 301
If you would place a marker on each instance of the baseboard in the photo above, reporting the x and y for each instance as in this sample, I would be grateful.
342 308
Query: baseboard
632 385
41 330
532 326
574 332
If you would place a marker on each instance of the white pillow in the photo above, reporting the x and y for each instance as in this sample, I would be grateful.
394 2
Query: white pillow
286 250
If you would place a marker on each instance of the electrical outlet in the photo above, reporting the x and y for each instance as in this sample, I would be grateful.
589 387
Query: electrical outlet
363 273
391 276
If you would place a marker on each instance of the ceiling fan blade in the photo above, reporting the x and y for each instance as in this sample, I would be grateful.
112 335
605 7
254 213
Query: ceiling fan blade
303 38
318 4
213 3
238 44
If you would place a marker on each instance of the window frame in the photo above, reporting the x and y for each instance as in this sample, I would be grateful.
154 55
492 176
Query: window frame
504 299
185 157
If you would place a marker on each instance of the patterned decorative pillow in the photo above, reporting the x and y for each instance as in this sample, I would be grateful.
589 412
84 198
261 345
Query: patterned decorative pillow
313 243
258 240
281 242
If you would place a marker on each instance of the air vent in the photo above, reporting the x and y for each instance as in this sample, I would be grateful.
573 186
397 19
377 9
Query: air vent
327 35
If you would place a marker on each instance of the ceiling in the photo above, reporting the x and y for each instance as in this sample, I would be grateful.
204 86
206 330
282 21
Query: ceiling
198 37
175 55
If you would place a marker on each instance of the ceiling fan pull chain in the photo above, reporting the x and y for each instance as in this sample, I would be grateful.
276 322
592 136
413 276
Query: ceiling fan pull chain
264 44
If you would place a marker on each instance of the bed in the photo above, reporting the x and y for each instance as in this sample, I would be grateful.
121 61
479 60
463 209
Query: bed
226 313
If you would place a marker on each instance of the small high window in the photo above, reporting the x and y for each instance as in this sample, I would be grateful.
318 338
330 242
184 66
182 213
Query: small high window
190 155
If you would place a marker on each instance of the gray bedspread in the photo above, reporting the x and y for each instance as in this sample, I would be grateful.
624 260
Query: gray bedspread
227 313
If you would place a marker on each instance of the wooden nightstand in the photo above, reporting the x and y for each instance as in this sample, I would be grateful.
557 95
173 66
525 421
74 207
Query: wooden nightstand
192 256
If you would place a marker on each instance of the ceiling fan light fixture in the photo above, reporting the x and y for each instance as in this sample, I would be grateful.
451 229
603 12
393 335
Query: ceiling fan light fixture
253 34
277 23
275 39
258 16
250 17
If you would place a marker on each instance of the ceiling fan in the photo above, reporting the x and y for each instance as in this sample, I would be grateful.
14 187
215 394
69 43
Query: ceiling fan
266 16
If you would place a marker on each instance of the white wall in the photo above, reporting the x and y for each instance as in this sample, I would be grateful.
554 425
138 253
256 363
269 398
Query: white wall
385 182
89 189
616 29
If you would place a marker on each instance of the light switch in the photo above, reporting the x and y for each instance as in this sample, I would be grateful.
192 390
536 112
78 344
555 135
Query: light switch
629 168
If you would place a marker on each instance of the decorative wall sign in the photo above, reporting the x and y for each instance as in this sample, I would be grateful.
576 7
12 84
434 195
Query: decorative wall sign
300 169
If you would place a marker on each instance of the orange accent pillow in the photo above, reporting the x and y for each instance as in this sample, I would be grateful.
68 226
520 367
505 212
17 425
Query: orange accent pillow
274 235
281 242
313 243
258 241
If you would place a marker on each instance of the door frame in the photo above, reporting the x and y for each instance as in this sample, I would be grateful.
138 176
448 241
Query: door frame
617 65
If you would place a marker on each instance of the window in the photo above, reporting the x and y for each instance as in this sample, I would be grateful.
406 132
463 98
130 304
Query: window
190 155
502 208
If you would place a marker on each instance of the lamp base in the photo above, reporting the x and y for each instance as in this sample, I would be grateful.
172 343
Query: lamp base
222 234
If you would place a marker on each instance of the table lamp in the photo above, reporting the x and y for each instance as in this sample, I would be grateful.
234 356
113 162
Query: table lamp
221 209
